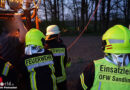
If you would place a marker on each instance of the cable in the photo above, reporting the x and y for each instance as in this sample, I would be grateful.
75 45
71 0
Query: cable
74 42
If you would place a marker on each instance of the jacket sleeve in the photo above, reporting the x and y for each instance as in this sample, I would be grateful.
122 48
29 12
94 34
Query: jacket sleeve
87 78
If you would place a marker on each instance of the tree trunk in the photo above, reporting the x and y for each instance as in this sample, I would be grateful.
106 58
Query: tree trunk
58 13
100 26
86 11
45 9
75 20
108 13
62 5
128 13
103 16
77 14
95 23
82 13
55 10
117 11
51 10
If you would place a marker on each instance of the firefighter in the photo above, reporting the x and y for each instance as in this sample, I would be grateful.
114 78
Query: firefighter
57 47
113 71
12 39
37 64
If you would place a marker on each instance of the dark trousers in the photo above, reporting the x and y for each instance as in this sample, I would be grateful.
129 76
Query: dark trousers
62 85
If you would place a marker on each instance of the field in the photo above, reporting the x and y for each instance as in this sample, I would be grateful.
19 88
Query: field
87 49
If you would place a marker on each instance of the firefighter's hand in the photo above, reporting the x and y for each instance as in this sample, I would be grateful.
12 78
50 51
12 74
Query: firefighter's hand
69 59
68 64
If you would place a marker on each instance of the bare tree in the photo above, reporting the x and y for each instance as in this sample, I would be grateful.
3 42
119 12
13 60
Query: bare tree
77 12
58 13
75 15
103 15
45 9
108 13
95 23
55 10
62 6
86 5
51 9
82 13
126 11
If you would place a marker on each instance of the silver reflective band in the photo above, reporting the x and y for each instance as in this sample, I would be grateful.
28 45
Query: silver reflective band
115 41
59 54
82 82
6 69
30 67
99 86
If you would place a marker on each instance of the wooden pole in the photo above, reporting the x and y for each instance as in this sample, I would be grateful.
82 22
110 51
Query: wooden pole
37 21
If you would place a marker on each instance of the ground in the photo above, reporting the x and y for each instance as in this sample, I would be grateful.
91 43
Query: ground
87 49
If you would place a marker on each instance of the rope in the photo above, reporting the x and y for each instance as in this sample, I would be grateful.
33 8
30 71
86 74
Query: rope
36 18
74 42
37 21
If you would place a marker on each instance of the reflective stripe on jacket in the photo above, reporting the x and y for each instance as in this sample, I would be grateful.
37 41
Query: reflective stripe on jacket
59 52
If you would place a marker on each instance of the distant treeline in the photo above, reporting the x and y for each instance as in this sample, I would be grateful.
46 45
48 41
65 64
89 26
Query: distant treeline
76 13
73 15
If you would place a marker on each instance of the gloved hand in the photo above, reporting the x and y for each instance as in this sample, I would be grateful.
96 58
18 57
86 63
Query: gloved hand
68 62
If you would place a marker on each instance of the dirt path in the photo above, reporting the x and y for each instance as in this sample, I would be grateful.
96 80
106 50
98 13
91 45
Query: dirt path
86 49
